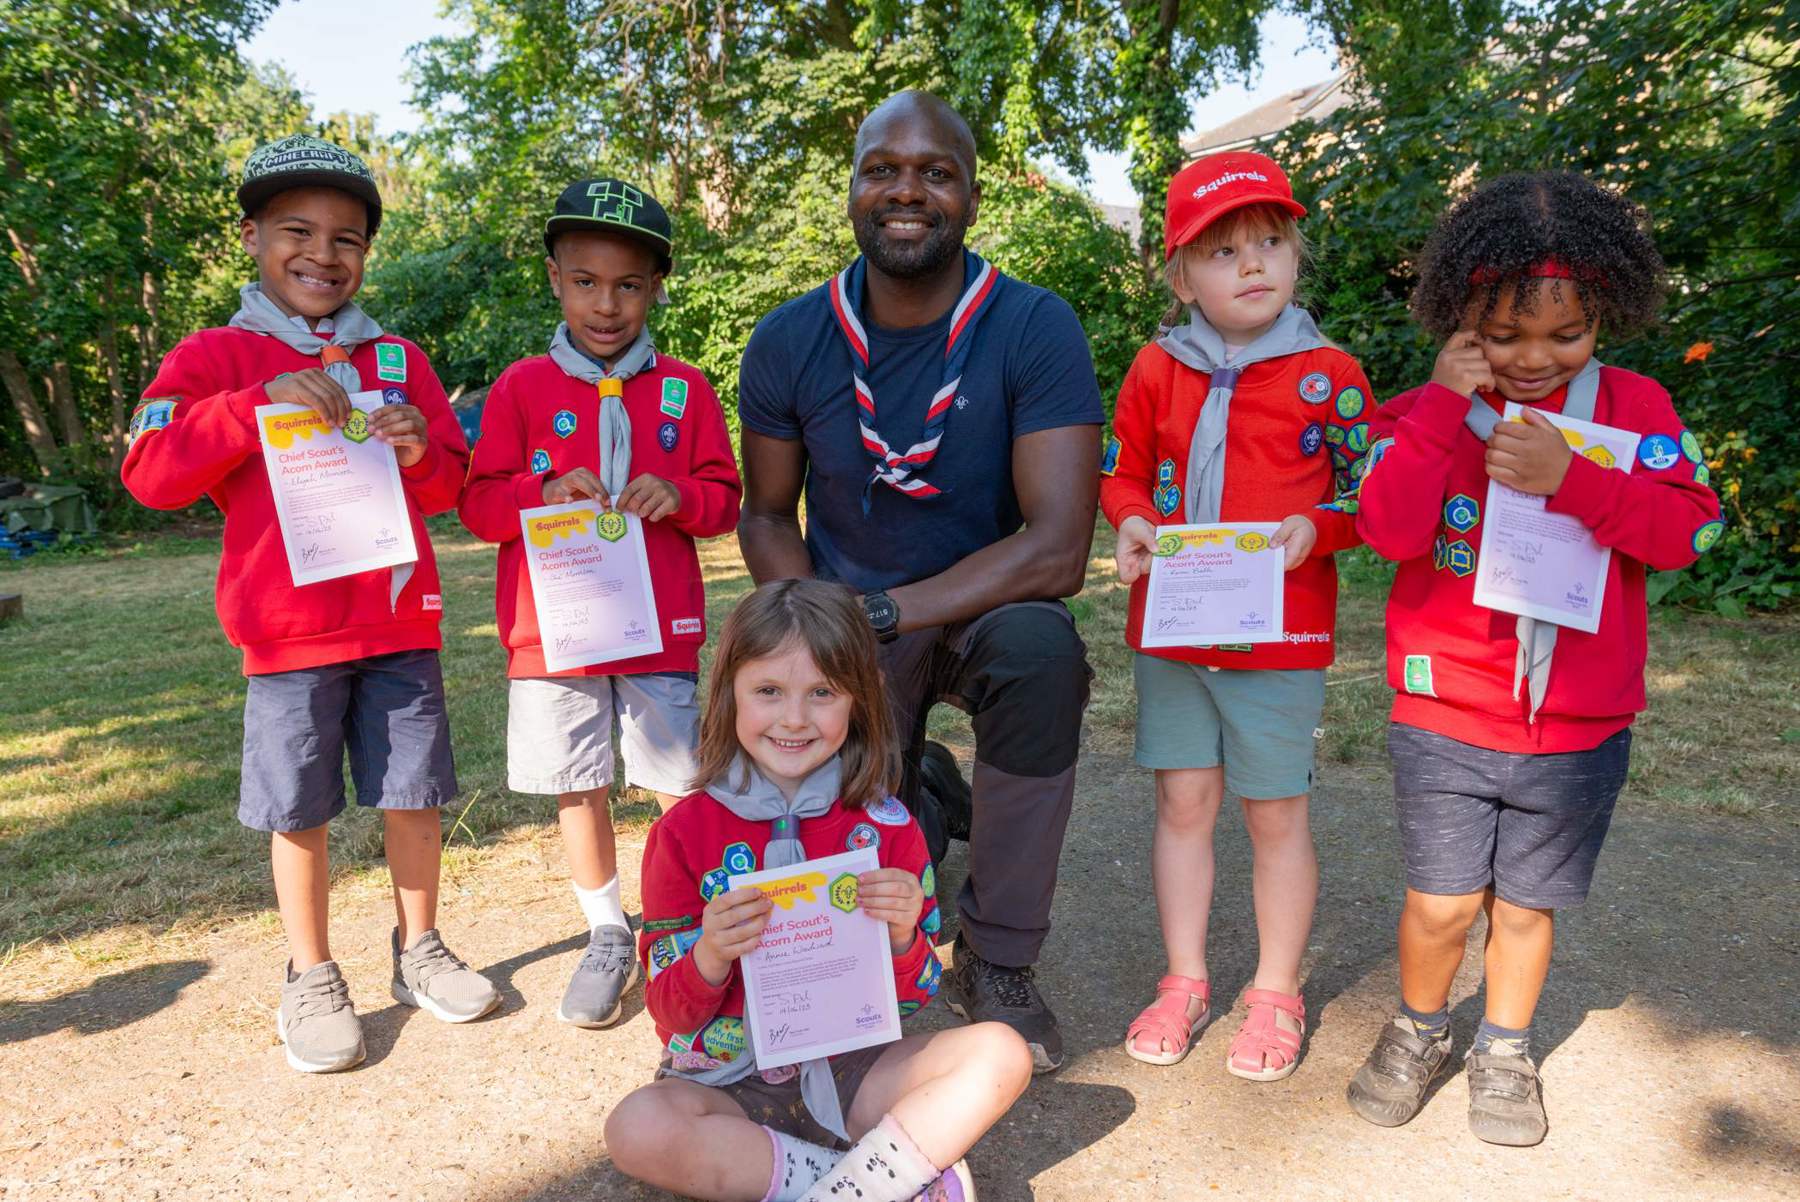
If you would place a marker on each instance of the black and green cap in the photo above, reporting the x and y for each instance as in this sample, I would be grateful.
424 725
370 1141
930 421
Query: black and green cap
302 161
616 207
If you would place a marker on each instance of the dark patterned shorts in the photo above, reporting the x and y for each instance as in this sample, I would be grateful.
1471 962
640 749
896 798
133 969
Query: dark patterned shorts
779 1105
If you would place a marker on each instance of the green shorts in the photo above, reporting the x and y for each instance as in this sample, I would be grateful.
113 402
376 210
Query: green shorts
1261 724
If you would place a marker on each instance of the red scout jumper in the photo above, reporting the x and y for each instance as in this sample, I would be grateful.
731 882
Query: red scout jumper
540 423
198 437
1450 661
1299 430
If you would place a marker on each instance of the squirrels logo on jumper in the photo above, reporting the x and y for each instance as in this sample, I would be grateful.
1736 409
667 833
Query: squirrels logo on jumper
390 362
542 531
280 429
615 202
790 889
1228 177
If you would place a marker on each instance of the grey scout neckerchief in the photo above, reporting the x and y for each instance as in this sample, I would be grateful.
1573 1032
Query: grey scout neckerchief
751 796
1537 639
1199 346
615 424
350 328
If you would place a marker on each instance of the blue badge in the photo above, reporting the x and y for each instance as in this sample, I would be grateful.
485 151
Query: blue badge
1659 451
1439 552
540 461
1168 499
1165 472
739 859
929 972
889 812
393 396
862 835
667 435
934 922
1311 439
1459 557
563 423
713 884
1461 512
1315 387
1109 462
153 414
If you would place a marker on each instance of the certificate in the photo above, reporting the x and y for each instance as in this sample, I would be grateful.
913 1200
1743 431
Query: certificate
338 494
822 979
1547 565
1214 586
590 581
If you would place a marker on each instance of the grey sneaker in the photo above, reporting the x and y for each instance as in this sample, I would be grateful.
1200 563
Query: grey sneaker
316 1021
428 975
1389 1089
1506 1100
608 968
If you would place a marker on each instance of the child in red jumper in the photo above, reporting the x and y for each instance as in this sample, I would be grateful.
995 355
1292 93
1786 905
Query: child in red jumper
799 756
1243 719
604 416
345 664
1510 737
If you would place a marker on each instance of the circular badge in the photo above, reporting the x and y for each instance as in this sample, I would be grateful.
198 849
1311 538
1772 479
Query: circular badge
1350 402
1358 438
1315 387
889 812
723 1038
1690 446
1707 535
563 423
1334 435
667 435
1659 451
862 835
393 396
1311 439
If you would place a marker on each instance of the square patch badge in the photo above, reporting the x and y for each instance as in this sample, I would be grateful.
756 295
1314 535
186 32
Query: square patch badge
390 361
674 397
1418 675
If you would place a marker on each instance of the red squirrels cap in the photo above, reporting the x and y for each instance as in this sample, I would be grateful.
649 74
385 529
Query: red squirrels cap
1208 188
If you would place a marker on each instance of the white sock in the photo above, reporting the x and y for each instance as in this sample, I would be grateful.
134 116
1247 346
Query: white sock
601 907
798 1165
883 1166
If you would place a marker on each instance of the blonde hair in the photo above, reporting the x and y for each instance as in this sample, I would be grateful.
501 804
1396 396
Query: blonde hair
1268 218
826 620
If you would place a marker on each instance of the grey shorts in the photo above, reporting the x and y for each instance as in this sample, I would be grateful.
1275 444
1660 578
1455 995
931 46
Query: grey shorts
387 711
1261 724
559 732
1531 826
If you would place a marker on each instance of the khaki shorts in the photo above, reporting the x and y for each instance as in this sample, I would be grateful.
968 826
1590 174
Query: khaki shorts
1261 724
559 732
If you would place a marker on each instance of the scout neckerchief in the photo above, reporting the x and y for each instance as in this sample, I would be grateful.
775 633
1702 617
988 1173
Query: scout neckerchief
615 425
895 468
1537 640
1201 347
349 328
751 796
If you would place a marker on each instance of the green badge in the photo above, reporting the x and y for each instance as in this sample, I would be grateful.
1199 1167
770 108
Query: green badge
1167 545
843 892
1418 675
670 924
356 428
674 397
390 361
1702 474
1707 535
1690 446
611 526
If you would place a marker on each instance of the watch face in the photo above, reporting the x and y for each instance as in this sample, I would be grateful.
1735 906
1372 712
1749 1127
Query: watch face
881 610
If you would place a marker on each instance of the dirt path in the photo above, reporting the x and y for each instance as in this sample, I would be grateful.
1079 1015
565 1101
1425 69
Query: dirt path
1671 1063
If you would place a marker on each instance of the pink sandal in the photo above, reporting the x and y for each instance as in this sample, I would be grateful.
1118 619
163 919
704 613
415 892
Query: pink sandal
1261 1039
1166 1018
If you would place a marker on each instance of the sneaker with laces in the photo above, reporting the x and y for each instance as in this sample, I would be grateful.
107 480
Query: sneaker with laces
608 968
1506 1100
1390 1088
981 991
428 975
316 1021
954 1184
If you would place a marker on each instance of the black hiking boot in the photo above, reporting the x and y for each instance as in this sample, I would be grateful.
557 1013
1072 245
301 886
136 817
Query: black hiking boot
1389 1089
943 780
1506 1100
980 991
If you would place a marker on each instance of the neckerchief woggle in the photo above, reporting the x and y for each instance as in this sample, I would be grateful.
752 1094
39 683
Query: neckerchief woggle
350 327
615 423
1537 639
1198 345
898 469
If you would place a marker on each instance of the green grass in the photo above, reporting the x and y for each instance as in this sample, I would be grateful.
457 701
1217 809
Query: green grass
120 728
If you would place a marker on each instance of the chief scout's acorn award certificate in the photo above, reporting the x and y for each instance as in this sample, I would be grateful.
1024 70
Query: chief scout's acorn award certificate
590 581
338 494
822 979
1548 565
1214 586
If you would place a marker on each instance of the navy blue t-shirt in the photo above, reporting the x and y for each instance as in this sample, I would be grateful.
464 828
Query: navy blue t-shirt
1028 370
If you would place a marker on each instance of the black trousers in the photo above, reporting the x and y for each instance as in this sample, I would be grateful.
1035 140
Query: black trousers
1021 674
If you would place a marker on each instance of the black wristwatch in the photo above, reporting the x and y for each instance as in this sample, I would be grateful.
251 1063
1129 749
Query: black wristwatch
884 615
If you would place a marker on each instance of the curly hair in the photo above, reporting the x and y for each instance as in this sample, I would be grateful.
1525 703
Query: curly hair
1495 236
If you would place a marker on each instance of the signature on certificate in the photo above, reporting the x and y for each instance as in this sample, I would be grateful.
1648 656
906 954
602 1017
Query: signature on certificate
310 553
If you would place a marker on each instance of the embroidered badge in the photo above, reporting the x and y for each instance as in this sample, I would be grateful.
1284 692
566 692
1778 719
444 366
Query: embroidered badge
1690 446
1438 550
723 1038
1312 438
1350 402
1461 512
1459 557
676 923
540 461
712 884
1659 451
667 435
1418 675
1357 438
1334 436
1315 387
934 922
662 954
674 397
889 812
390 362
152 414
908 1007
928 880
929 974
563 423
738 859
1168 499
1702 474
686 626
862 835
1707 535
1109 462
1165 472
432 602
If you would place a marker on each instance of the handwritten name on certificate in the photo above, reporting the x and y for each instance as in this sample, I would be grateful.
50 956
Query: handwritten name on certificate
590 582
1548 565
822 979
1214 585
338 494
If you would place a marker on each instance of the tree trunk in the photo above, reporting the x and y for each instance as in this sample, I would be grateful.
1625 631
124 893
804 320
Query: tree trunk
37 430
62 402
115 388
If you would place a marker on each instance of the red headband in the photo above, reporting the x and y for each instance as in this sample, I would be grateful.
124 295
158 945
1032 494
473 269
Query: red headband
1546 269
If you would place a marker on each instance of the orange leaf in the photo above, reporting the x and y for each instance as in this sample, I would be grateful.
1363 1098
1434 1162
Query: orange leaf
1698 352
